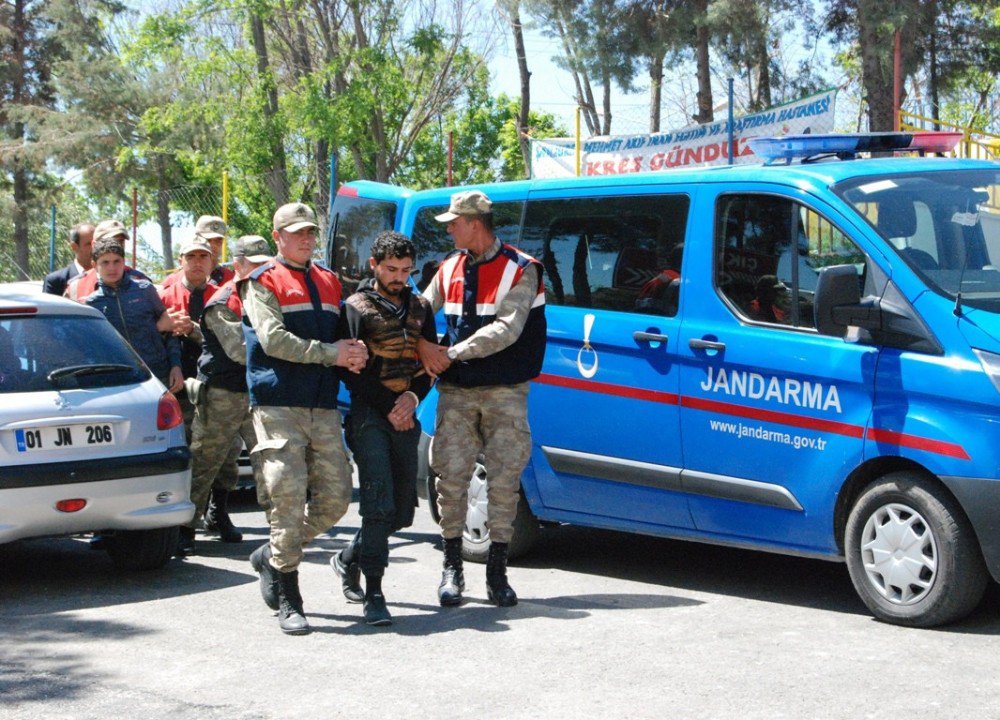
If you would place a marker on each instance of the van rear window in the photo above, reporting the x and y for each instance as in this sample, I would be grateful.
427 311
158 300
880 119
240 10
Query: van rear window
612 253
357 222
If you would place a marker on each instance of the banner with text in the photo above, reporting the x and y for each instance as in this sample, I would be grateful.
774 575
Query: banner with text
695 145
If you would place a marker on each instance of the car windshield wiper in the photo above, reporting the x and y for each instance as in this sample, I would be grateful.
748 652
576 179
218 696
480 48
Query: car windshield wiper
77 370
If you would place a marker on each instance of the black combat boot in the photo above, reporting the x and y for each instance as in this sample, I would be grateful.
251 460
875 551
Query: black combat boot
185 541
260 560
217 517
349 572
498 590
376 612
452 577
291 616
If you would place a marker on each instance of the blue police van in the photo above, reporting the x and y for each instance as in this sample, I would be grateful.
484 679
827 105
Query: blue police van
801 356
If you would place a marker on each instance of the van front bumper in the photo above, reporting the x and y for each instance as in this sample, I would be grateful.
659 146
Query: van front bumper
980 499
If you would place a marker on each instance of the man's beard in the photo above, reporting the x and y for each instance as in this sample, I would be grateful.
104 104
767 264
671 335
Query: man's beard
391 291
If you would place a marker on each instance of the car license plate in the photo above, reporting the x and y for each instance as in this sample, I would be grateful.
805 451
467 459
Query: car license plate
64 437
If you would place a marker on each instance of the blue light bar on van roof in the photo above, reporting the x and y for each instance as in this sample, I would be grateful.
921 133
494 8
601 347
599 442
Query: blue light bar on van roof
790 147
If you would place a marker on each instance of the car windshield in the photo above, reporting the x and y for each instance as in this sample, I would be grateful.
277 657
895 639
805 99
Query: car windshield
945 225
62 352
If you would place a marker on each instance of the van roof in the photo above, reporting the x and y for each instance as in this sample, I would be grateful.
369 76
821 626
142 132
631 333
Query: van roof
816 174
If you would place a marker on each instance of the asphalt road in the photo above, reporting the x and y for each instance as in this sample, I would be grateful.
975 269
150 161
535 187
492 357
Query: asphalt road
609 625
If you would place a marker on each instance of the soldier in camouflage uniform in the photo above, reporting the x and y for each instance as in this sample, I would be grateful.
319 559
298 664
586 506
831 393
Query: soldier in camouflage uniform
291 311
494 304
222 409
381 429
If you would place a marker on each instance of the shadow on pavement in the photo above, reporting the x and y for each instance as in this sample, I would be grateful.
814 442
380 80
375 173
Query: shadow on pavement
476 613
43 577
699 567
33 668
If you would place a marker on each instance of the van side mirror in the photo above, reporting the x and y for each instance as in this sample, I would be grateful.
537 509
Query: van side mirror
889 320
838 300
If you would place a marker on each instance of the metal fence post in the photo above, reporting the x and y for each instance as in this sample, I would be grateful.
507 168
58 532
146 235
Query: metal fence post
52 241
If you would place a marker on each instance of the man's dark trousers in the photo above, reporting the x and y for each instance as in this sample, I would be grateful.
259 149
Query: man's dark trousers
387 475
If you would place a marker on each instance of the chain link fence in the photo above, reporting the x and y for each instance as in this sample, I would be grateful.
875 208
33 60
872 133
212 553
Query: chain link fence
159 222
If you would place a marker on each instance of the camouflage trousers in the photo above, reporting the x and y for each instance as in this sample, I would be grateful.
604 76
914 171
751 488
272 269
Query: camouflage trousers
220 419
301 453
492 421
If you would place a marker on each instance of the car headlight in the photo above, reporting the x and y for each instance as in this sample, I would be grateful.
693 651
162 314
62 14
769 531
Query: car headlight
991 366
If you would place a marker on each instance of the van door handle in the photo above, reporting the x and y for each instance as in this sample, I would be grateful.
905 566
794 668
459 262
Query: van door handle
642 336
696 344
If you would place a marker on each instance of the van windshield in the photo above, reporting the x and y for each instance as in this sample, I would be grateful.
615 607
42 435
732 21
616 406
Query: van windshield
945 225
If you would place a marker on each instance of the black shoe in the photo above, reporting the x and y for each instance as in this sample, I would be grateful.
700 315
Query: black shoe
217 517
260 561
376 613
452 577
350 578
291 616
185 541
498 590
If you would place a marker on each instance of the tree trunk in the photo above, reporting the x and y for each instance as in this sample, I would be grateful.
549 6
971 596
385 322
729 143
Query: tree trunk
876 66
932 79
321 198
704 68
276 177
655 90
606 103
525 75
764 76
21 254
19 32
163 211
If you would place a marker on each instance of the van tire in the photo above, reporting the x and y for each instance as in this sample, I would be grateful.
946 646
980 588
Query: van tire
132 550
918 532
475 535
476 545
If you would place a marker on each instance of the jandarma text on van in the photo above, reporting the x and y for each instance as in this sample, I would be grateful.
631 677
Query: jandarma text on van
787 391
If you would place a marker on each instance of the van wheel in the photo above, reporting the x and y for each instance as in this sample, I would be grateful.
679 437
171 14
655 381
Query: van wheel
143 549
475 535
912 554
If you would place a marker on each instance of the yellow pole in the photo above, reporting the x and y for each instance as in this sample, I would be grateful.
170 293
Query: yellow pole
225 211
578 143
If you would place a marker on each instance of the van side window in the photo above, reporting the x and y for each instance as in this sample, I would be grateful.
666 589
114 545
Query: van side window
610 253
769 251
434 244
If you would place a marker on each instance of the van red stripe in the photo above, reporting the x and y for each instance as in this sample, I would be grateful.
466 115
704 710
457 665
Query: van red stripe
775 416
918 443
608 389
890 437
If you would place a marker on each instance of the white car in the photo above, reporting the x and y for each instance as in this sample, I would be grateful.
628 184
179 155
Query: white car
90 441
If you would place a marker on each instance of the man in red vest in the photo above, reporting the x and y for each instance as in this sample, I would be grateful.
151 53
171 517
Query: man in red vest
222 416
494 304
186 300
291 312
212 229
